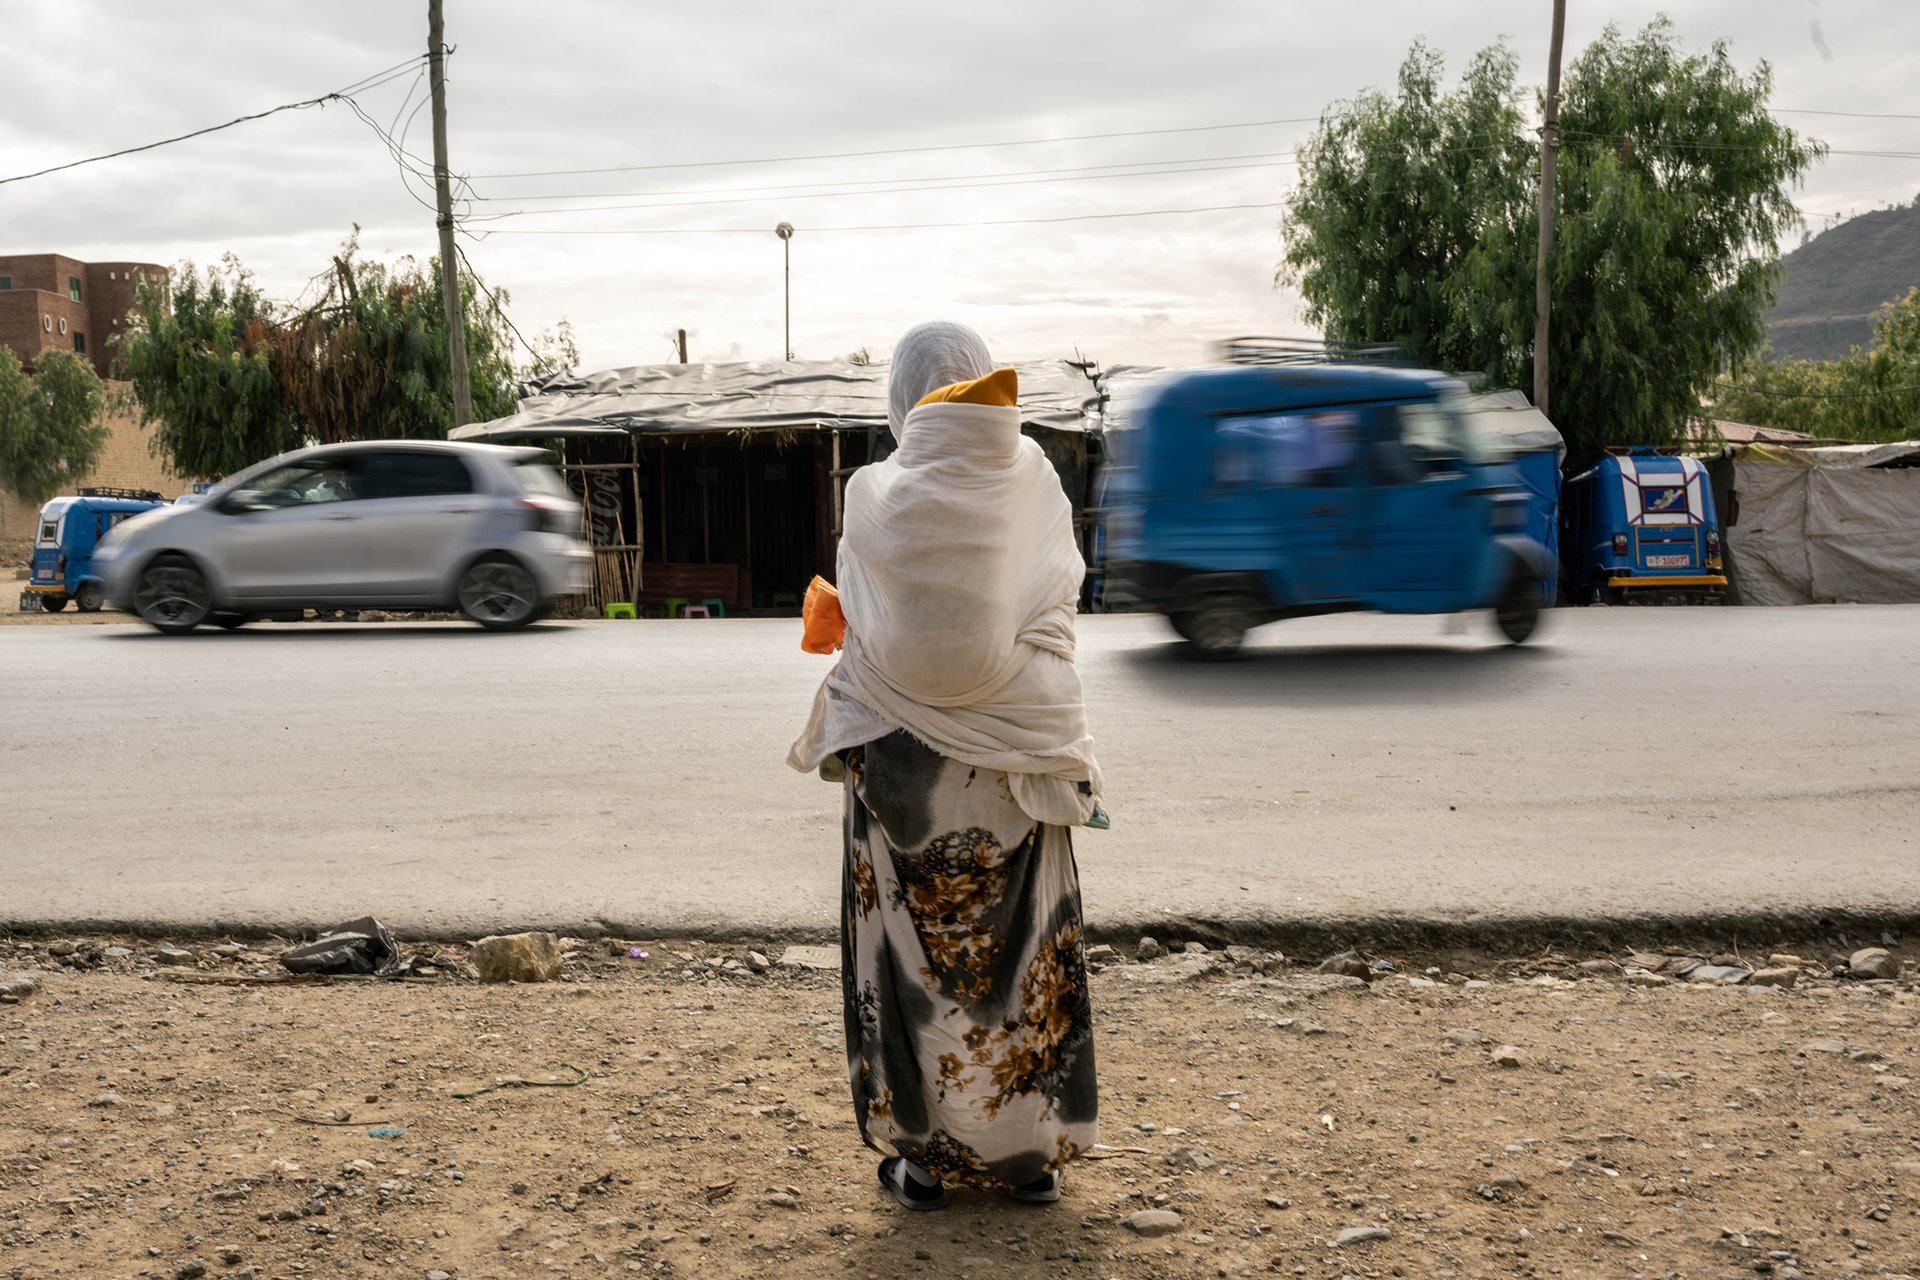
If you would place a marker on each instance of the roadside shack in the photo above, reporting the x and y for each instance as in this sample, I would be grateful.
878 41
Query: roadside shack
721 486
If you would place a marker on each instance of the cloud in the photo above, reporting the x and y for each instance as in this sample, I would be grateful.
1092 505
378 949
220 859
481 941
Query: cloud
605 84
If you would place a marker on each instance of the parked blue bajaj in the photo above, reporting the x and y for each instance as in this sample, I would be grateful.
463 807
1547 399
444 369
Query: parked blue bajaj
1243 495
64 541
1640 527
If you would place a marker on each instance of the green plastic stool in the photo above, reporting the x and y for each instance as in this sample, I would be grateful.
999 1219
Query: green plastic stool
619 609
670 607
716 607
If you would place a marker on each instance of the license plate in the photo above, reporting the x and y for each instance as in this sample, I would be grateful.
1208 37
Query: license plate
1668 562
45 573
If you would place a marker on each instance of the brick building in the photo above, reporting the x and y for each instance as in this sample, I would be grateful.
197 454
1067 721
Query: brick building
52 302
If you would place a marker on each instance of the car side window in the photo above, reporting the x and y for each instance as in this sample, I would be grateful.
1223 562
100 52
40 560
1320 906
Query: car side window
301 484
416 474
1416 441
1284 450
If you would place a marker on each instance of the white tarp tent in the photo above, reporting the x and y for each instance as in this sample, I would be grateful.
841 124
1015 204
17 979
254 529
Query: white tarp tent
1835 524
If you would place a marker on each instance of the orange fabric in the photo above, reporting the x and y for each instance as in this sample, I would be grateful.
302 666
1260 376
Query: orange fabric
1001 387
824 627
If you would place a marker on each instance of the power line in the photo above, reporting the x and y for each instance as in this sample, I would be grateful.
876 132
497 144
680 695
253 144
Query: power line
901 151
1853 115
492 297
868 182
339 95
898 226
1815 395
841 195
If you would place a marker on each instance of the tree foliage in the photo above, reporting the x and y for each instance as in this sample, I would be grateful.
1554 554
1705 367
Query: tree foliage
51 432
232 378
1867 394
1416 221
198 355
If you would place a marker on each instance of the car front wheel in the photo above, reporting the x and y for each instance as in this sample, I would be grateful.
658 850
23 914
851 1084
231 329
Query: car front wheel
499 593
172 595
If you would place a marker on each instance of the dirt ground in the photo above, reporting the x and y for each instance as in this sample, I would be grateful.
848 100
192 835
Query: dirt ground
154 1125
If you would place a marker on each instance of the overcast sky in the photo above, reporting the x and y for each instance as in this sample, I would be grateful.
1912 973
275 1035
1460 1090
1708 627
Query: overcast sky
578 84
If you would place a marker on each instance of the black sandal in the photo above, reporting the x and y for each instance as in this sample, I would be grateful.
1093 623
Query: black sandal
909 1190
1044 1189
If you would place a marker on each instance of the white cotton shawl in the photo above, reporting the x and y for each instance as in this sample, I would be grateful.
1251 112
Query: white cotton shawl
958 576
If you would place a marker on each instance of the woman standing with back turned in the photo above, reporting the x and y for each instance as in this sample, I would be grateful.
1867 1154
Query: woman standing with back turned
956 711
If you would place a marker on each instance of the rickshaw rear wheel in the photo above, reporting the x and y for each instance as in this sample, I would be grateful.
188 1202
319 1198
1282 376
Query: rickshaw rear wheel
89 597
1215 631
53 603
1518 612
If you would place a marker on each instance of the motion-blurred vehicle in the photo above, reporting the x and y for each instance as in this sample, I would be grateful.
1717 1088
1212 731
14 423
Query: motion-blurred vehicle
69 531
1640 527
1243 495
486 529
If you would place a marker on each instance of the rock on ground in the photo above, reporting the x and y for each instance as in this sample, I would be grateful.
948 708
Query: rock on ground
1873 962
1152 1222
517 957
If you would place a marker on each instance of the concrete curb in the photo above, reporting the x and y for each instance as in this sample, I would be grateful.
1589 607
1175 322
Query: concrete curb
1494 935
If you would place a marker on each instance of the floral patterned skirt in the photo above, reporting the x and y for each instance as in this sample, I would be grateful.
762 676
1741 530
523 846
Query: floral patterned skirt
969 1028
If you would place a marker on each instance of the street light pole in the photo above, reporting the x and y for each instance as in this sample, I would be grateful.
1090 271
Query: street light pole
785 232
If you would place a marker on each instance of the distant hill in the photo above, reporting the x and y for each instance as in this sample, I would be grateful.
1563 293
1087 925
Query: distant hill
1836 282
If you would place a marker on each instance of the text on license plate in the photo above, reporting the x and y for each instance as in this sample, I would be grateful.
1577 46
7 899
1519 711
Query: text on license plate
1668 562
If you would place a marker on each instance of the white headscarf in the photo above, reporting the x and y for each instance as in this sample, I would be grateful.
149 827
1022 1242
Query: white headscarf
930 356
958 575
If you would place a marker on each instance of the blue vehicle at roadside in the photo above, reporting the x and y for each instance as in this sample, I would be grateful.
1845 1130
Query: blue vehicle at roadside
65 538
1640 528
1238 496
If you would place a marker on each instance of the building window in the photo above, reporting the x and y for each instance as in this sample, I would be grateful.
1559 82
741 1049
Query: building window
6 283
73 288
63 325
79 343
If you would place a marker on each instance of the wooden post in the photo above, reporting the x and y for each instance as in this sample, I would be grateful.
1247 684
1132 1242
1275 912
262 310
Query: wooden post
443 216
1543 276
680 341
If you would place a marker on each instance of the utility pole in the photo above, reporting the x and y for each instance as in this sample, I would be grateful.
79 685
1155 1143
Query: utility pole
1543 278
443 201
680 342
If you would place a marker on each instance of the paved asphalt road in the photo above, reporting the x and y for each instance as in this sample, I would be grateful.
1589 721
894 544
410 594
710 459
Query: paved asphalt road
1631 764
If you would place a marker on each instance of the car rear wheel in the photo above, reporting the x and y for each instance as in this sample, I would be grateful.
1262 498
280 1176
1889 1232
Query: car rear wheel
53 603
499 593
1518 612
89 597
173 595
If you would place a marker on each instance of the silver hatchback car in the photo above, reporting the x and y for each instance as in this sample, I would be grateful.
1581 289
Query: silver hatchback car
489 530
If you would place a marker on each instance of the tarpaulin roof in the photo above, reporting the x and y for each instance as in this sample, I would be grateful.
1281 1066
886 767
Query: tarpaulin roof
1844 457
1517 426
762 396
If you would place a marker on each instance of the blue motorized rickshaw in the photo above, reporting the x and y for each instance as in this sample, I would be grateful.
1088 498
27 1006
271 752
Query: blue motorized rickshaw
1640 528
64 540
1242 495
